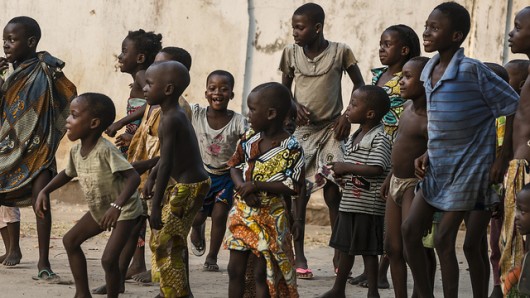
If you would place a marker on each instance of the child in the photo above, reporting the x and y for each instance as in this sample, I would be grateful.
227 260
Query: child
10 229
522 222
266 166
109 183
316 65
397 45
181 181
511 241
33 109
463 99
138 51
218 130
359 226
411 142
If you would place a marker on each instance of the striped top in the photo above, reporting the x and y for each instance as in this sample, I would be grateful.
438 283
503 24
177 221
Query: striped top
361 194
461 112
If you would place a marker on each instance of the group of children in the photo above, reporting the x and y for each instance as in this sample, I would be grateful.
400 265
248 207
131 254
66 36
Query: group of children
434 136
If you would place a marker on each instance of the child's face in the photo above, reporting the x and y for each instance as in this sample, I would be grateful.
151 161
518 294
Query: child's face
410 85
128 58
17 46
218 92
522 214
438 34
78 123
391 49
290 121
519 40
154 89
257 113
304 31
357 110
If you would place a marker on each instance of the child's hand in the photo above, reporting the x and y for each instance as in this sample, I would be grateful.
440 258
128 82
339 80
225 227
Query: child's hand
155 219
41 205
110 219
498 169
296 229
302 115
383 192
148 189
113 129
252 200
246 188
339 168
342 128
123 140
420 165
4 65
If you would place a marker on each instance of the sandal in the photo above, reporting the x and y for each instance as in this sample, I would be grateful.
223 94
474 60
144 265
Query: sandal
210 267
304 273
48 276
199 249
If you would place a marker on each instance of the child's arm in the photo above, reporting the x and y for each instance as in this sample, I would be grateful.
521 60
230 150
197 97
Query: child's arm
143 166
420 165
132 180
500 166
342 125
302 117
42 198
244 189
344 168
355 75
136 115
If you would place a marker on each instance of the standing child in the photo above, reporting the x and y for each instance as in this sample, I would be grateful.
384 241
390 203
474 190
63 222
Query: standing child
359 226
316 65
138 51
511 241
181 181
33 109
109 183
397 45
218 131
266 166
410 143
463 100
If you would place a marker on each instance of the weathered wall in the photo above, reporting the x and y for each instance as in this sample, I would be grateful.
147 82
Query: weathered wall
87 35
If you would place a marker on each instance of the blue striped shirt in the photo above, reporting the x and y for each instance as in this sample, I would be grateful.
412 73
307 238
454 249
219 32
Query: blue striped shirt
461 112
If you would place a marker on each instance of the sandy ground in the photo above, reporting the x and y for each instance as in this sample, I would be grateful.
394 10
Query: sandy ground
16 281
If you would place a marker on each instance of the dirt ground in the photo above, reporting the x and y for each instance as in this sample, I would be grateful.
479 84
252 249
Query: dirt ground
17 282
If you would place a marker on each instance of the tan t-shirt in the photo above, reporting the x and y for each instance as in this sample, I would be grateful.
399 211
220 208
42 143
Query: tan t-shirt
100 181
318 81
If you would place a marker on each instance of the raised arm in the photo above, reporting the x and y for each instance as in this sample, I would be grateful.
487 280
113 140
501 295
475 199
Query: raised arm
136 115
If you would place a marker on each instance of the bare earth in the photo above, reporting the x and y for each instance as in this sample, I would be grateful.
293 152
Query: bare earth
17 282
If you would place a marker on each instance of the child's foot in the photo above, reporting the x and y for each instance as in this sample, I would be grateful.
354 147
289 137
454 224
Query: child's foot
358 279
332 294
198 242
103 290
144 277
134 270
382 284
497 292
210 265
13 258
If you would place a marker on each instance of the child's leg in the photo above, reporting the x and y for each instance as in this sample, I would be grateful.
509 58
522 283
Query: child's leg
15 254
300 259
84 229
237 265
260 276
138 262
5 237
444 243
332 197
476 251
197 231
419 220
343 271
495 232
371 266
431 263
115 259
44 225
219 217
394 247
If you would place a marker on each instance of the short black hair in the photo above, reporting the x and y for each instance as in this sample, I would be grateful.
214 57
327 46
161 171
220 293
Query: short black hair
179 55
376 99
147 43
312 11
409 38
101 107
223 73
420 60
277 96
498 70
31 27
521 65
458 17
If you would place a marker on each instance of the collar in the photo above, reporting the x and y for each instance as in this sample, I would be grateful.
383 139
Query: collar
450 72
368 138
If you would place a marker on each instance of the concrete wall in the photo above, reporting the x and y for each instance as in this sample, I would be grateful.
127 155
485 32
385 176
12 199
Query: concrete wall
87 35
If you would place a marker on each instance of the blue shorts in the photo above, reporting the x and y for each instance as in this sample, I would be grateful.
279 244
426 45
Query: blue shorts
221 190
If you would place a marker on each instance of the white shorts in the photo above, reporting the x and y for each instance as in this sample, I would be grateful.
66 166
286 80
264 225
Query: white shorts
8 215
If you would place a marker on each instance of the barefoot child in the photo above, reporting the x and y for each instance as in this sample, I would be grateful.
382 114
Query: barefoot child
410 143
266 166
511 242
33 109
316 66
218 131
10 229
463 100
359 226
109 183
138 51
181 181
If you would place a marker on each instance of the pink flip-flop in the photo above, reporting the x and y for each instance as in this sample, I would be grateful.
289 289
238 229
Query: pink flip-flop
304 273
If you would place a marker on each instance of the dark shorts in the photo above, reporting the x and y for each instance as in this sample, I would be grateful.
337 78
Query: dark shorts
221 190
358 234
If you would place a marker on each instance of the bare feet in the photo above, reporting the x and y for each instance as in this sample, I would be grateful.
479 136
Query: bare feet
134 270
12 259
103 290
332 294
358 279
144 277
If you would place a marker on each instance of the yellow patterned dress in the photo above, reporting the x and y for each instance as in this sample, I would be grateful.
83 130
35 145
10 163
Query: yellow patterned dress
265 230
391 119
